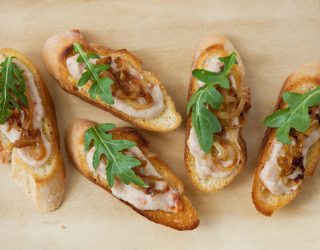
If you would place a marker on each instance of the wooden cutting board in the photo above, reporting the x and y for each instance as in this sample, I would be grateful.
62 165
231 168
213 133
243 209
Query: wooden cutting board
273 37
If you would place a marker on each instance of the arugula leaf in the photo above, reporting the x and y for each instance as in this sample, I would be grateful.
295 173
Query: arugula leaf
205 124
100 86
12 89
220 78
295 116
204 121
119 164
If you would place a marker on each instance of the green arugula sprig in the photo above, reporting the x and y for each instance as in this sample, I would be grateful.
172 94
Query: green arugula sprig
119 164
295 116
101 86
12 89
204 121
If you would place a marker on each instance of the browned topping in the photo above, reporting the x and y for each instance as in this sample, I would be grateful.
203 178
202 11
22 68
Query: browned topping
292 158
33 144
314 113
127 86
287 167
236 104
314 110
153 191
318 118
30 138
150 180
285 164
298 162
224 150
153 188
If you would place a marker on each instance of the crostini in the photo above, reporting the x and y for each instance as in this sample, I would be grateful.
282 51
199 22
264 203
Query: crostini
218 103
118 160
112 80
29 138
291 146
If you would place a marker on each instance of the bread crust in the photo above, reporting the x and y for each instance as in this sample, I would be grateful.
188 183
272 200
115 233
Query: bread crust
303 79
186 219
46 191
55 52
222 47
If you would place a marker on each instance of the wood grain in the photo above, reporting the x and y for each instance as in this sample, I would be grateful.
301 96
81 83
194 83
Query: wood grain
273 37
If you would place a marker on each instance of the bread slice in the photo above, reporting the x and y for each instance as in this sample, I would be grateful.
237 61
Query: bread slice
55 52
302 80
214 45
185 219
45 185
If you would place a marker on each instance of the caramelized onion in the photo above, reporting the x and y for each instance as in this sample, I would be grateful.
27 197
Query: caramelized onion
153 191
32 143
30 138
127 86
150 180
292 157
234 104
221 153
37 151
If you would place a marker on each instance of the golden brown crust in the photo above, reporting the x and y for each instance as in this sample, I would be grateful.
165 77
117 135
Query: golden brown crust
47 191
55 53
186 219
213 45
303 79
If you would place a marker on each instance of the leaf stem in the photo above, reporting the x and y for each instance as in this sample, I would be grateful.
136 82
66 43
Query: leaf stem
5 87
113 158
89 66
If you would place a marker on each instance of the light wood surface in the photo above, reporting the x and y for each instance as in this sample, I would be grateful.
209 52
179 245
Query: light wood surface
273 37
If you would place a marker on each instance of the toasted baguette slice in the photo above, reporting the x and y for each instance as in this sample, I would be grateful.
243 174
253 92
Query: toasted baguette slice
304 79
58 48
185 219
46 184
220 46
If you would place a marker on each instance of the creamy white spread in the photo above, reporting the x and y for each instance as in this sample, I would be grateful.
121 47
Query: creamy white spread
128 193
213 64
13 134
76 69
203 162
270 174
204 165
